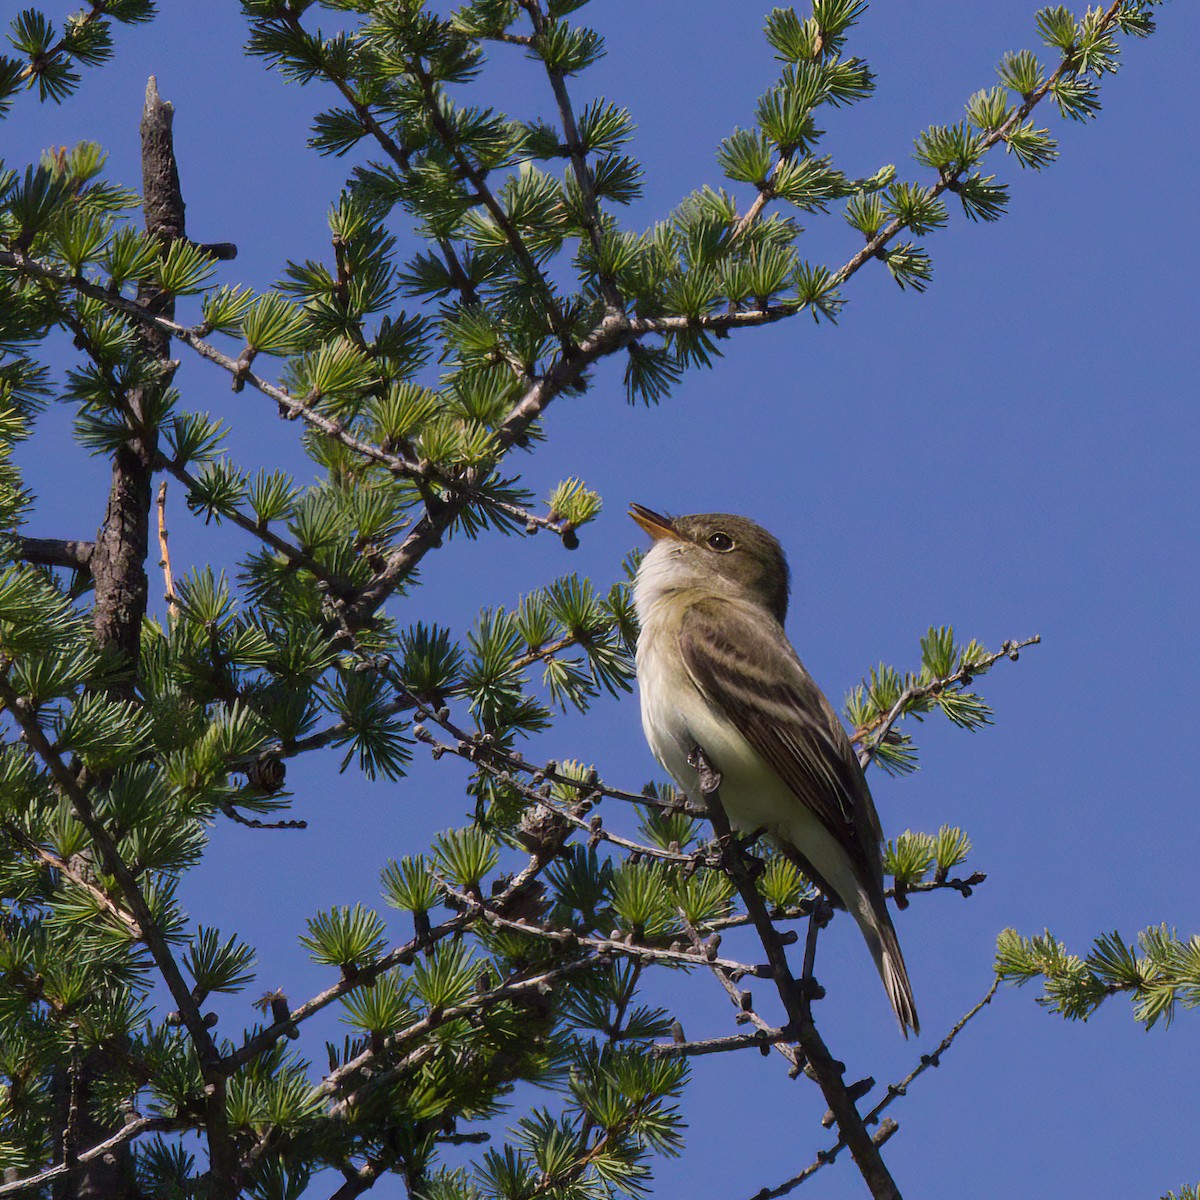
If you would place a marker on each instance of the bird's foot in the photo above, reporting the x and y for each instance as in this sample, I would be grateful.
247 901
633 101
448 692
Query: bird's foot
822 912
755 864
709 776
810 989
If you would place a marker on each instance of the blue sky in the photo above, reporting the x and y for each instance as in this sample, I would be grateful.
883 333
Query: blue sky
1011 453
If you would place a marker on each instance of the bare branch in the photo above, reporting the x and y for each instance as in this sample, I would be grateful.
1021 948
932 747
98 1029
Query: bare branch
253 823
52 552
894 1090
165 551
761 1040
743 1002
964 887
122 1137
796 998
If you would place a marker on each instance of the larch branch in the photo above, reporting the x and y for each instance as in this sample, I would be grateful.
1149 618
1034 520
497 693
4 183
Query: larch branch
578 156
878 729
796 1001
894 1091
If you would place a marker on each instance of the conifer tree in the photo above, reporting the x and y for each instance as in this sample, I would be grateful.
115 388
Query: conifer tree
478 268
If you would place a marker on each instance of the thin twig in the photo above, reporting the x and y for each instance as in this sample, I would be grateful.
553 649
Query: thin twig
511 39
253 823
964 887
435 1019
165 552
68 871
481 748
478 180
741 1000
760 1040
612 332
605 946
894 1090
796 912
883 236
765 193
878 729
126 1133
593 826
593 218
403 955
292 405
400 157
294 555
719 322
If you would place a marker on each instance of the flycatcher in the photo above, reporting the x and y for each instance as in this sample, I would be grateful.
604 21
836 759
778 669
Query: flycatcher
717 672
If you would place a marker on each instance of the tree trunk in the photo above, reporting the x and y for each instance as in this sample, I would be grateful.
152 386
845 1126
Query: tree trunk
118 562
118 566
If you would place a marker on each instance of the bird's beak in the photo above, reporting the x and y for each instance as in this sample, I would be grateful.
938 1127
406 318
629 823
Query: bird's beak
656 525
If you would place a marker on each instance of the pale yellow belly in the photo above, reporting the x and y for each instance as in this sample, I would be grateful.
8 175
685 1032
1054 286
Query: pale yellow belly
677 718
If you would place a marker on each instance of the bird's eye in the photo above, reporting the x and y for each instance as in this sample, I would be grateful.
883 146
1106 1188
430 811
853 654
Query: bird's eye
722 543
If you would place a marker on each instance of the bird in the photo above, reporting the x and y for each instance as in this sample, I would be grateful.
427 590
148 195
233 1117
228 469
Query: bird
716 672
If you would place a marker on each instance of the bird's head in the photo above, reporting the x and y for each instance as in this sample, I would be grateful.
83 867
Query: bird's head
729 554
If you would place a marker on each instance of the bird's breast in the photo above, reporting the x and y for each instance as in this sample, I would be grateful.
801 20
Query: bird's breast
677 717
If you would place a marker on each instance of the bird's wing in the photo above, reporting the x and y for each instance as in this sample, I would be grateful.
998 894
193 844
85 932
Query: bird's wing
744 667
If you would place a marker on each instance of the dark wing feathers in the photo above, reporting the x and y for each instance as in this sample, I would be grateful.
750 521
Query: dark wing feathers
739 660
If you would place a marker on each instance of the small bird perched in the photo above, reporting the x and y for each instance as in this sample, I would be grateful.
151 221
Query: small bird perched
717 672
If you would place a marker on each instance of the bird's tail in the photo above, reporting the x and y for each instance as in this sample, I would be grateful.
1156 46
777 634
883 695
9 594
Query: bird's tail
877 929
